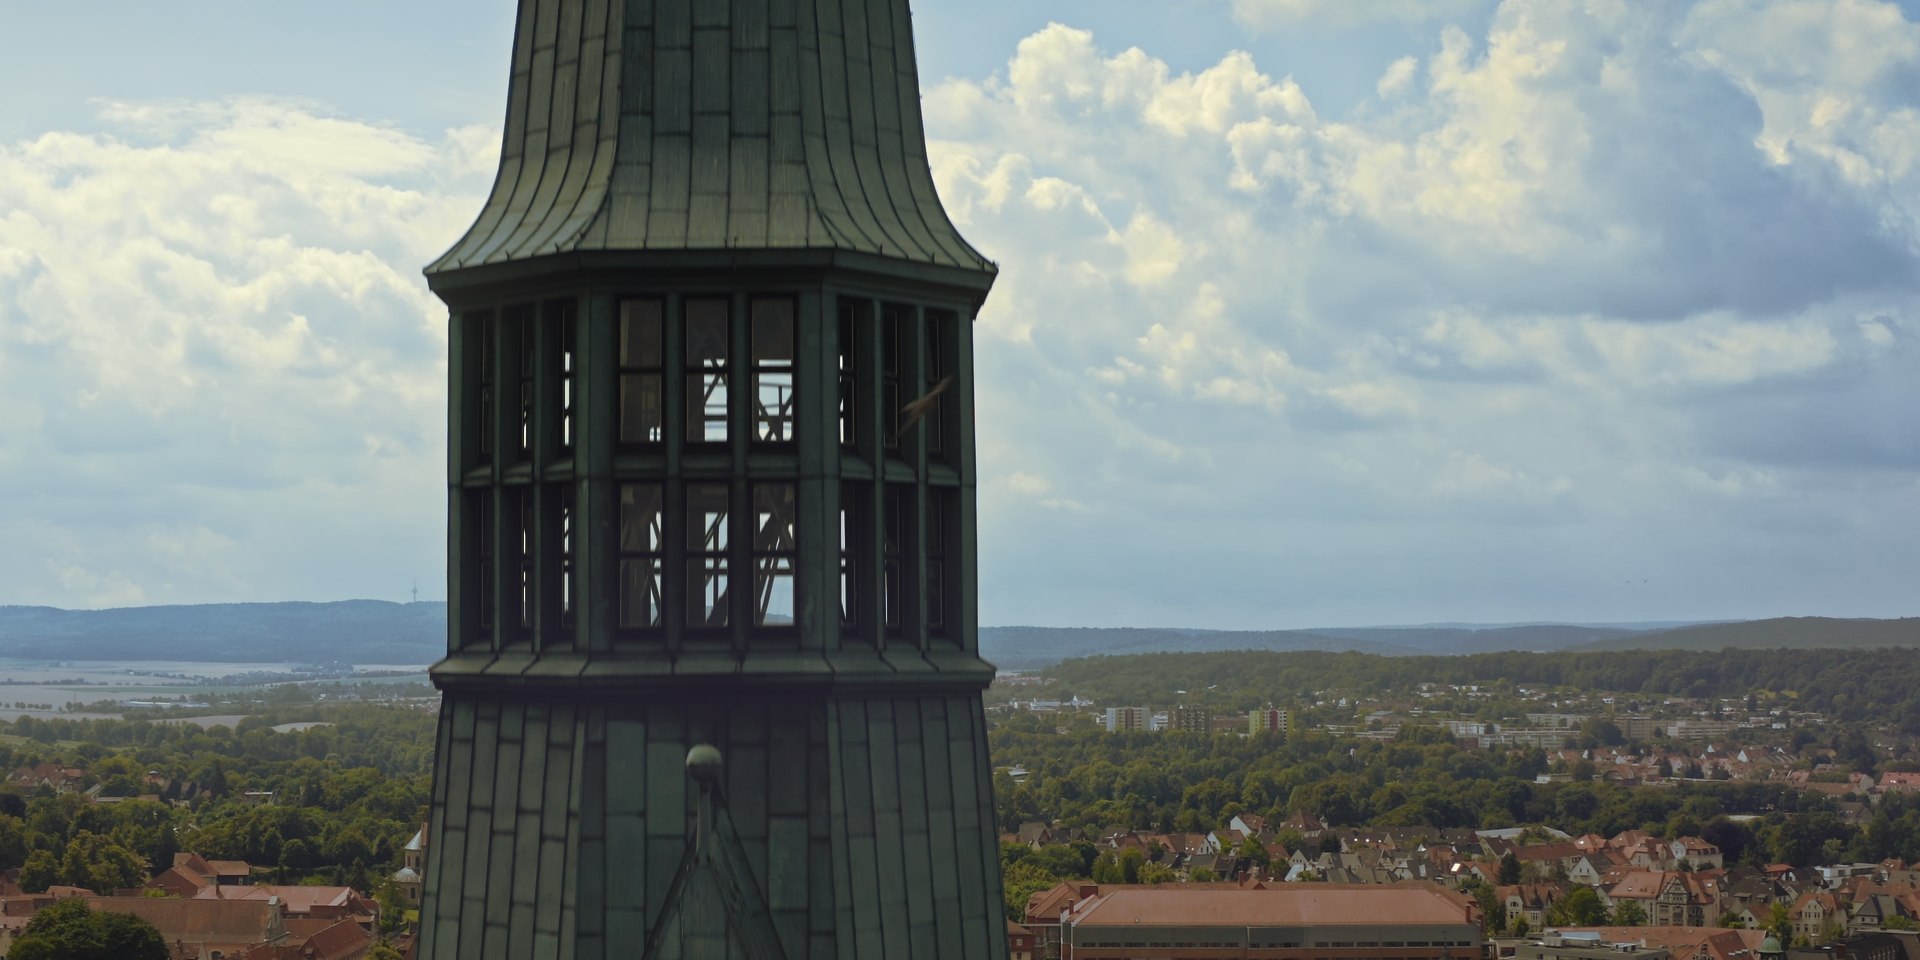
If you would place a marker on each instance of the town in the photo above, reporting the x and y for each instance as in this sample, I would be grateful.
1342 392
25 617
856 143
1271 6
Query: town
1564 820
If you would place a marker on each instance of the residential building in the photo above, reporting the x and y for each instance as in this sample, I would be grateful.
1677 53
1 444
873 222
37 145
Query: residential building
1529 902
1814 913
192 873
1127 719
1697 854
317 940
1701 729
52 776
1190 719
1871 913
1670 898
303 902
1896 782
1269 720
1543 739
1020 942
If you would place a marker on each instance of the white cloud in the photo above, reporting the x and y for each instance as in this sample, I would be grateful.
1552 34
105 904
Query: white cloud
1346 13
211 312
1398 76
1564 279
1587 286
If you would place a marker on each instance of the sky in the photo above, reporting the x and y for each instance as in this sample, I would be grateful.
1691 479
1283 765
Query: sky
1310 313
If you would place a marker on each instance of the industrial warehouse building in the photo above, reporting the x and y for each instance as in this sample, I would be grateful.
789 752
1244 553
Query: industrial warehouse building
1287 922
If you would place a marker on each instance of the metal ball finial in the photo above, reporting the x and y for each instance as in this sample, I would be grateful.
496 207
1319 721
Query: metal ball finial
704 763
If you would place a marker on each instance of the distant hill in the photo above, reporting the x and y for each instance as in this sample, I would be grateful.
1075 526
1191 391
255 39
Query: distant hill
1030 648
1786 632
351 631
375 631
1466 638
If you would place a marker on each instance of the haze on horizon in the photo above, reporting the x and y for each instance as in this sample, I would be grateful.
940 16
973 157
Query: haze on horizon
1309 314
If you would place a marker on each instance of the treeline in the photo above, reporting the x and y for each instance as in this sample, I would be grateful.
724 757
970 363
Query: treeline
1170 782
1850 685
345 798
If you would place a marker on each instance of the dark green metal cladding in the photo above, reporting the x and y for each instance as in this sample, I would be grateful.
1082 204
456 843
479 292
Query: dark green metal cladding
671 169
682 125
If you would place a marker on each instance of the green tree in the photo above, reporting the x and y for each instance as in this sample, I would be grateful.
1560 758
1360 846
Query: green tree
99 864
1599 731
1780 923
1629 914
1020 881
1510 871
1202 875
70 930
1493 913
42 870
1581 908
13 842
1254 850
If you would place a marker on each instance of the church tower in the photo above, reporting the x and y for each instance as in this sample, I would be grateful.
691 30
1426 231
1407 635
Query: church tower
712 686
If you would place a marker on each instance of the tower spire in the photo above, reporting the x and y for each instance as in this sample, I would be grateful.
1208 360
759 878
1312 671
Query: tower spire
711 482
679 125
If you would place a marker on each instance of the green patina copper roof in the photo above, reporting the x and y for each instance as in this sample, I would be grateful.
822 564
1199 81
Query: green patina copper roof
688 125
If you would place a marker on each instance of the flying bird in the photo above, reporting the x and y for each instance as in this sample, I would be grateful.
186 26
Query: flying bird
914 412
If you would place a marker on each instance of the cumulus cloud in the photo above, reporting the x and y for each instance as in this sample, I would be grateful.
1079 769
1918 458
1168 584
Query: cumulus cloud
1585 288
1398 76
1346 13
1605 269
218 354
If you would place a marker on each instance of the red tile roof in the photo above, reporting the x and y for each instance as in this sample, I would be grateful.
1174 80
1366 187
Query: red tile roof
1292 904
1713 942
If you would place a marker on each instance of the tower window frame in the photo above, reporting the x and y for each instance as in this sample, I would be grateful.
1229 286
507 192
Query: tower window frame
774 369
894 318
566 363
642 374
641 559
776 554
707 522
480 527
942 509
707 323
851 349
894 515
482 353
524 331
853 511
562 564
520 540
941 356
